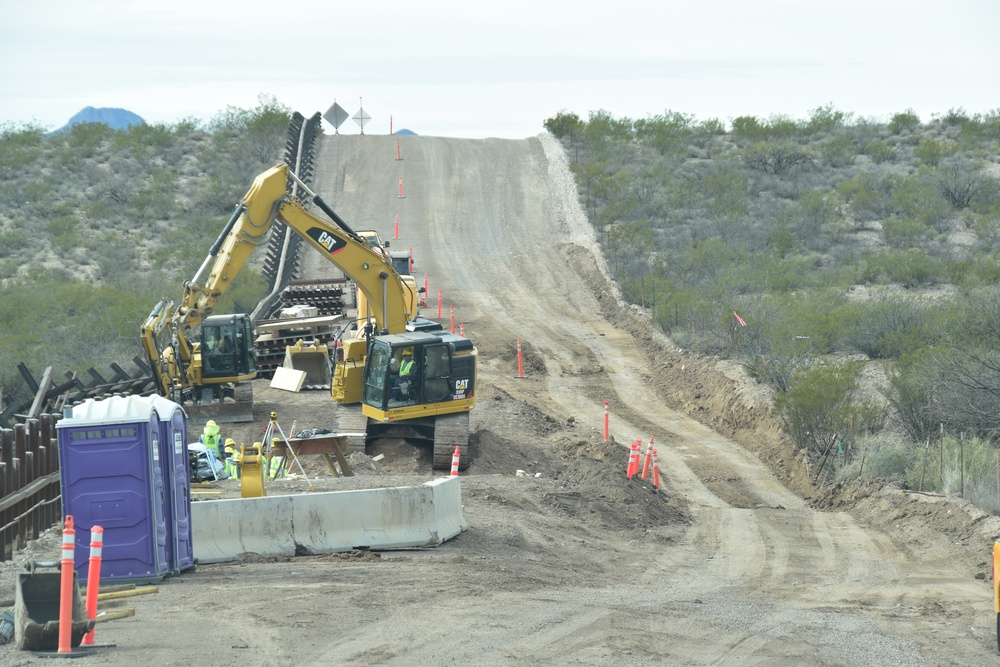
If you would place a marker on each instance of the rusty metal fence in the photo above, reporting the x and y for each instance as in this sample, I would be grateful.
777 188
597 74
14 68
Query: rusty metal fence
30 501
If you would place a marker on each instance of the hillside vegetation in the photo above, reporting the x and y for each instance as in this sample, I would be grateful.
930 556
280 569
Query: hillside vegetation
96 225
823 254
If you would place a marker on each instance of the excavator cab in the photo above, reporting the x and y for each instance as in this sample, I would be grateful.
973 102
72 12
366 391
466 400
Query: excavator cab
227 351
427 373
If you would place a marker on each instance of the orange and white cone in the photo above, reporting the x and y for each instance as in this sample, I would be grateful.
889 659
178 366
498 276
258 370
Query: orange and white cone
454 461
649 458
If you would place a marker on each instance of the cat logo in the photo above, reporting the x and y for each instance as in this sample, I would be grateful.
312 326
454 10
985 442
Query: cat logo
461 386
324 238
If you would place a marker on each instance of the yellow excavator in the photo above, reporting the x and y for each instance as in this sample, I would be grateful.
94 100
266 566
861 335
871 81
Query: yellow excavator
429 402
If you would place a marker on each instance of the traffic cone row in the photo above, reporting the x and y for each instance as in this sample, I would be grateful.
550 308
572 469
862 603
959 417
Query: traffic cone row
635 453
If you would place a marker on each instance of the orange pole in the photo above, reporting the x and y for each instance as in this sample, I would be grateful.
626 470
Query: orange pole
439 304
398 156
633 460
427 290
397 226
605 421
452 318
656 471
66 589
400 187
94 576
411 259
520 360
454 461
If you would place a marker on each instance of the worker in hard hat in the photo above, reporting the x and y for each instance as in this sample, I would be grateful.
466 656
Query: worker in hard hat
232 458
213 442
406 366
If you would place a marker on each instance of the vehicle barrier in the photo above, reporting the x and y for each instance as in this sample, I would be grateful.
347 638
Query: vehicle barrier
318 523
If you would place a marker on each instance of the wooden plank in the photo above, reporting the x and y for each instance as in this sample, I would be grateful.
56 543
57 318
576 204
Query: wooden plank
288 379
43 388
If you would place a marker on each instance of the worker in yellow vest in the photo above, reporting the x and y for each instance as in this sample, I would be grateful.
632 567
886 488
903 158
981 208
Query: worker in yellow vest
232 458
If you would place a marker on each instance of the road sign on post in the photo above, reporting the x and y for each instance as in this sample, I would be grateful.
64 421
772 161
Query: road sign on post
361 118
336 115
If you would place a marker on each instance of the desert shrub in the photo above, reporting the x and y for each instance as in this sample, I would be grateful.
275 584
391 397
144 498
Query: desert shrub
911 267
819 408
919 196
12 241
932 151
961 465
902 233
878 456
838 151
84 139
869 194
564 125
903 122
887 327
826 119
774 157
879 152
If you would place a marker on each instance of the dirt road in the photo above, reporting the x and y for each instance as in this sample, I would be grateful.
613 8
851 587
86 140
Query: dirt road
570 562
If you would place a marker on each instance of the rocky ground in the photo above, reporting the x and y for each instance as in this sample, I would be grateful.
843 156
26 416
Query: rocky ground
737 559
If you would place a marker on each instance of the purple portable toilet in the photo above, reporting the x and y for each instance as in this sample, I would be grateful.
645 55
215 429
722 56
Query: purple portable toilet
112 476
174 459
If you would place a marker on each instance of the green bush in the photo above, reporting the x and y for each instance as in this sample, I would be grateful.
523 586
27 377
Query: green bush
819 408
879 456
880 152
903 122
903 233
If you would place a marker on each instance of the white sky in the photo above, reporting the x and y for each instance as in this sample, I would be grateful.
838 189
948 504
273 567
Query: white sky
460 68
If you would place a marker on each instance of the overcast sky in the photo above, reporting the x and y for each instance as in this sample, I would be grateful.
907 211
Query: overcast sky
476 69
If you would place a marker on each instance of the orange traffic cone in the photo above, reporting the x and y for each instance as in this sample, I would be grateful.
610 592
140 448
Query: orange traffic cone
633 460
649 457
454 461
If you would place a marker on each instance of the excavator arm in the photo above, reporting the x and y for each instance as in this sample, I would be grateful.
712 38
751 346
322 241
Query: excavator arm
268 201
177 363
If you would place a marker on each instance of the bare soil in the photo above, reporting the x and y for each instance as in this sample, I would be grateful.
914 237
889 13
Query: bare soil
737 559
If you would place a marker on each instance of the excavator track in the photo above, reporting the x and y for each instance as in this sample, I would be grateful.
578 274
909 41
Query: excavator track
451 431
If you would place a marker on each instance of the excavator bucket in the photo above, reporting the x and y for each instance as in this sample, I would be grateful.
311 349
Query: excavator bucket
313 359
36 611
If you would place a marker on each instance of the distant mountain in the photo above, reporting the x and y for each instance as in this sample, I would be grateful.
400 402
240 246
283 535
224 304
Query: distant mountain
405 132
117 119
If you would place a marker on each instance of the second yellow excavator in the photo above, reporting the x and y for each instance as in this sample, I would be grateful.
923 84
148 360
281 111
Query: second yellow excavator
430 402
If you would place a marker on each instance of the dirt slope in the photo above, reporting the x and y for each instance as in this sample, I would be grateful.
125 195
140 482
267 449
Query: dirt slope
734 562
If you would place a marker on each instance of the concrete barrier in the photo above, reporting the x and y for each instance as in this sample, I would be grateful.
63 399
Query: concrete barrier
317 523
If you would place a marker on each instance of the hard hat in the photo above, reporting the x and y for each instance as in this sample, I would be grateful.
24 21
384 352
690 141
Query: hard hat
230 441
408 351
211 422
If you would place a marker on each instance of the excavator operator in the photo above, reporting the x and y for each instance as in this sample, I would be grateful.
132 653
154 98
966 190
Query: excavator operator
403 376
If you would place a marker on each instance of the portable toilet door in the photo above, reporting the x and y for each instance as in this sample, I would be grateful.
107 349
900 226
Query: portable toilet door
109 451
174 460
